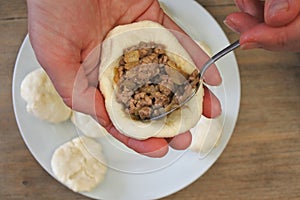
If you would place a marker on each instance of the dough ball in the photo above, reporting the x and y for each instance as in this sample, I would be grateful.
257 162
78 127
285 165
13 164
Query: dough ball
42 99
206 134
88 125
204 46
78 164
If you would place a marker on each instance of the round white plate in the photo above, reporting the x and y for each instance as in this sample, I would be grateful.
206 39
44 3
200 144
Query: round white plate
148 178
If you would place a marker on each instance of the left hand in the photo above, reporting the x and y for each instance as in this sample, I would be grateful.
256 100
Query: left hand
64 32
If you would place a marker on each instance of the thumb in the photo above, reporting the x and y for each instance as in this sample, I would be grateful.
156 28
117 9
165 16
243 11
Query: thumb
87 99
281 12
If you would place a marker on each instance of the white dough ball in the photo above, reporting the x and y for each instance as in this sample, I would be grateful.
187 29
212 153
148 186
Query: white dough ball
79 164
42 99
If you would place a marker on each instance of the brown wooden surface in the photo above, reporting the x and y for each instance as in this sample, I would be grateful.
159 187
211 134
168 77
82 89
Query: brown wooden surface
261 161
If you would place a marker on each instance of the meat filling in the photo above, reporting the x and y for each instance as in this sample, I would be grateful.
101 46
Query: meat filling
149 83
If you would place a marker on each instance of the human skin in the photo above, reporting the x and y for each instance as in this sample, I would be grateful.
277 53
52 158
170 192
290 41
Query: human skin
64 33
272 25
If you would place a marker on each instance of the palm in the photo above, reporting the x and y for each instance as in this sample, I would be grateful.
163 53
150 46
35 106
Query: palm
72 29
63 33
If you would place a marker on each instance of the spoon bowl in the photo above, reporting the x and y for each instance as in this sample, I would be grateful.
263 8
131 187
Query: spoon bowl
211 61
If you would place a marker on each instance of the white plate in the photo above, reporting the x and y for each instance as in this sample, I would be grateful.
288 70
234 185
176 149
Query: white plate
161 180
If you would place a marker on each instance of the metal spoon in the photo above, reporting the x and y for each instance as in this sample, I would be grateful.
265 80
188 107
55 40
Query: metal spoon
212 60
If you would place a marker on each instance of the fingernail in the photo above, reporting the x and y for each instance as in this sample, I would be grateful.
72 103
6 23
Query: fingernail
231 25
277 6
250 45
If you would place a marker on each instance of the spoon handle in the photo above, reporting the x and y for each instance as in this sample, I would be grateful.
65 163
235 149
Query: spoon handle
219 55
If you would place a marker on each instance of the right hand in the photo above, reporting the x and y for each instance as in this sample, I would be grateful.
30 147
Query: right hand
273 25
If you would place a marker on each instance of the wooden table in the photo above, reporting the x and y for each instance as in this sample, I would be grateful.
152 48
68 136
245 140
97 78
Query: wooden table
261 161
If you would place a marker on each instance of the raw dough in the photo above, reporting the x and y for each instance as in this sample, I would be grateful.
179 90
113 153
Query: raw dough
129 35
88 125
207 134
79 164
42 99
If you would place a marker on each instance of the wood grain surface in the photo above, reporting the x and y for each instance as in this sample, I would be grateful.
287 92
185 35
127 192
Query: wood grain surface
261 161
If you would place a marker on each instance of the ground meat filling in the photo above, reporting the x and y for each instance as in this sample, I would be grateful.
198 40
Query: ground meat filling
149 83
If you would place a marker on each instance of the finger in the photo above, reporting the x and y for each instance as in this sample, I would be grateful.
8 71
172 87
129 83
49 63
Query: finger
284 38
89 70
281 12
87 99
181 141
91 64
240 22
254 8
212 75
152 147
211 104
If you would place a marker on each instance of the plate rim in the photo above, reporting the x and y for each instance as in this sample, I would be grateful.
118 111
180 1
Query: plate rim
26 39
